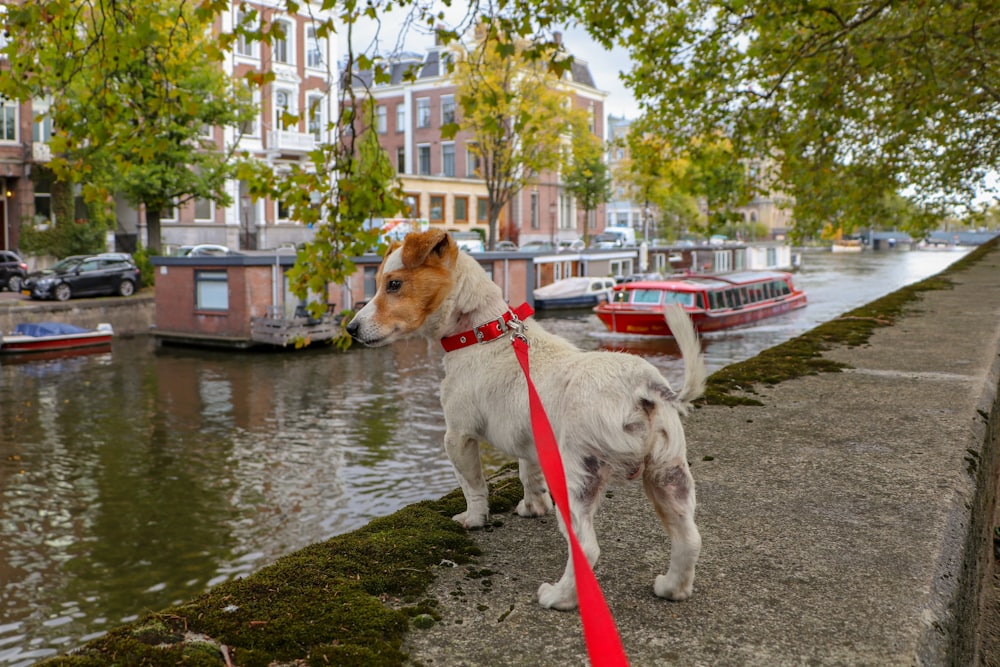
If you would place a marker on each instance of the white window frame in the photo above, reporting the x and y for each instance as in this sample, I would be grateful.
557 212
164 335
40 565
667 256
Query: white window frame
211 290
423 149
316 123
9 119
200 202
401 117
423 112
246 48
381 119
315 49
444 158
290 97
285 46
448 108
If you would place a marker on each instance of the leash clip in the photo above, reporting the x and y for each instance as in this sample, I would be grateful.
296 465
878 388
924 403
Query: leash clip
516 329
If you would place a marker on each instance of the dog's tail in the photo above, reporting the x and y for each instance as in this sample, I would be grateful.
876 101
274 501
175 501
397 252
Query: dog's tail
687 340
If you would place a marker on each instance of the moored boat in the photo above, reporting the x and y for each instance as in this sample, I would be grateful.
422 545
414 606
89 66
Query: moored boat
580 292
713 302
52 336
847 245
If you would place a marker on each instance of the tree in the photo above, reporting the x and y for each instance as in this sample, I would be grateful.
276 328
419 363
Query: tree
653 176
587 176
515 112
718 179
133 86
855 100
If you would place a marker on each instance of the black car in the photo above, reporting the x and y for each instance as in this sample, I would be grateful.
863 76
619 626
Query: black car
84 275
12 270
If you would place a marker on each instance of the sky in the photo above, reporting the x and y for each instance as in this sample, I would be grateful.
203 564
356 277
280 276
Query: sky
604 65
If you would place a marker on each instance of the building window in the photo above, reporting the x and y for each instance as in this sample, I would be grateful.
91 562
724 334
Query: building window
482 210
437 208
284 212
472 163
448 159
534 210
203 209
461 209
282 106
8 120
370 286
424 112
411 205
211 290
249 127
244 45
424 159
380 119
280 49
401 118
315 120
315 47
447 109
401 159
41 130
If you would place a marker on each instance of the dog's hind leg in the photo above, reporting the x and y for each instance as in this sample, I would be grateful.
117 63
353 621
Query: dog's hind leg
536 500
670 487
584 499
464 455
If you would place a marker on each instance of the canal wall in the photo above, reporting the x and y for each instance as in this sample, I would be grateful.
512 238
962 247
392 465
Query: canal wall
128 316
847 519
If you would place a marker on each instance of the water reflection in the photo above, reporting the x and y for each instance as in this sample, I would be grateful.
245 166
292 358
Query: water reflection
137 479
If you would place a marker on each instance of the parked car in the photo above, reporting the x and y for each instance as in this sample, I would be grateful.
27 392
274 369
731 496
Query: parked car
537 246
203 250
84 275
506 246
575 245
13 269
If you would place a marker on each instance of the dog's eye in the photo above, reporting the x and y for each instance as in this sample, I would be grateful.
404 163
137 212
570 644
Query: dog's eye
393 286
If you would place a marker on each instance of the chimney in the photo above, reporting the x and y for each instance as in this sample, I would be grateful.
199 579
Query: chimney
557 38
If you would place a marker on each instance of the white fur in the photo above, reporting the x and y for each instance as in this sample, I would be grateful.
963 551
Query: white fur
613 414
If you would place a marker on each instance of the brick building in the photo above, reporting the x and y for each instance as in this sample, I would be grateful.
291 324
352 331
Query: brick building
439 175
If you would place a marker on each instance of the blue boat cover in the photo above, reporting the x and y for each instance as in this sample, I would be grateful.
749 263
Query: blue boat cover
47 329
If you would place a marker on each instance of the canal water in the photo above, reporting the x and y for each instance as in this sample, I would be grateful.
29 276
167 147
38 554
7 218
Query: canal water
139 478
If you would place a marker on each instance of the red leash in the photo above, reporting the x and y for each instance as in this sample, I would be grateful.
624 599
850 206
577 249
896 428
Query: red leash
604 646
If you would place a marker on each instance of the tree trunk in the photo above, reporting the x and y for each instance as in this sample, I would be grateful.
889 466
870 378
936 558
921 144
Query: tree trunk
153 242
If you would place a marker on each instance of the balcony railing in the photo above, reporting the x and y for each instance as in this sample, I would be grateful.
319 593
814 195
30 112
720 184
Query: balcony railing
286 141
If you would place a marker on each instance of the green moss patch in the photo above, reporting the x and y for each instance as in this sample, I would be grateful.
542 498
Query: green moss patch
737 383
346 601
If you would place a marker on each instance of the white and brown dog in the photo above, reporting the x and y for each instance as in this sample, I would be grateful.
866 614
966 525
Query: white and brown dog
613 414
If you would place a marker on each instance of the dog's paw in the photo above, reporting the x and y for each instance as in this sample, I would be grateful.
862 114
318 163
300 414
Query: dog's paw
670 588
556 597
470 521
537 506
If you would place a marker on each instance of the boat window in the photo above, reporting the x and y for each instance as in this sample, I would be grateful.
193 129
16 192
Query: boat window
646 295
714 301
621 296
683 298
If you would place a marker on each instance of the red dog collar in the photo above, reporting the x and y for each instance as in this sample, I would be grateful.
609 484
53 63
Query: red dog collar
486 332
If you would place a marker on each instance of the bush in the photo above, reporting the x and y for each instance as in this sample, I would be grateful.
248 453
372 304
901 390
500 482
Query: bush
142 260
80 237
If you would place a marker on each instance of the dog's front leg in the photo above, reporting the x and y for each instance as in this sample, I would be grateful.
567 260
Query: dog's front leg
562 594
536 500
464 454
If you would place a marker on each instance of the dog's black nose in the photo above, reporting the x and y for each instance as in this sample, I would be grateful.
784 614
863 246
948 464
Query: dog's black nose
352 327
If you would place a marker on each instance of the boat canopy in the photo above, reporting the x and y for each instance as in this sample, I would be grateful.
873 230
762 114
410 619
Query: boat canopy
37 329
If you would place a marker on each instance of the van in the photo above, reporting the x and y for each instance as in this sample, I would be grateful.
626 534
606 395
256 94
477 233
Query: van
615 237
469 241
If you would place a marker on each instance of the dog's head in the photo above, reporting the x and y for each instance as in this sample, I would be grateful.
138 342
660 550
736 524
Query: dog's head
412 283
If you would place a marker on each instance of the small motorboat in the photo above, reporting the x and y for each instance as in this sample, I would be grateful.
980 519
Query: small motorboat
582 292
53 336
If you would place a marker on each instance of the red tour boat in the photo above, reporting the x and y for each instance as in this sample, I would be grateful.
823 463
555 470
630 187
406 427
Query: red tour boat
713 302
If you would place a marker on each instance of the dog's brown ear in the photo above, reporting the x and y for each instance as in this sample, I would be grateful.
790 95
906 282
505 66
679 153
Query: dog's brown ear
430 246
